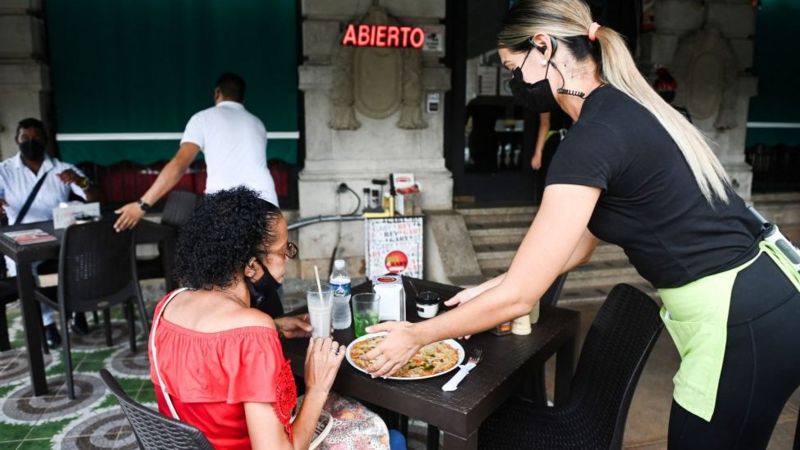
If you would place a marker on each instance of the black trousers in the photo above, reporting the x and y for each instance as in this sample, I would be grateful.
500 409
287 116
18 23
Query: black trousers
761 368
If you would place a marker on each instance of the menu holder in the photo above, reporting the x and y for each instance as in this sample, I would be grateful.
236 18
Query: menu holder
27 237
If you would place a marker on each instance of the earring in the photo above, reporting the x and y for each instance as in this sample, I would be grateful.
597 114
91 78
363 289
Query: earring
543 63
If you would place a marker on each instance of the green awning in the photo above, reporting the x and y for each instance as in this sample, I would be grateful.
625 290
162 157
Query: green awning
145 66
776 66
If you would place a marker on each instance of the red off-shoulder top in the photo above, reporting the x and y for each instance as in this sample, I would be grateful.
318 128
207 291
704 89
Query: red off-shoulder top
209 377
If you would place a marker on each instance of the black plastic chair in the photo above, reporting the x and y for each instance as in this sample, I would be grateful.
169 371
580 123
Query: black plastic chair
96 270
8 294
538 386
152 429
178 209
613 356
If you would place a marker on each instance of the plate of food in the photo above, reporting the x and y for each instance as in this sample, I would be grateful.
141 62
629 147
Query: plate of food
430 361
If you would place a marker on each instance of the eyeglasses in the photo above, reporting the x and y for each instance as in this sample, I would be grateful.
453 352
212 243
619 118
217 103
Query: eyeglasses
291 250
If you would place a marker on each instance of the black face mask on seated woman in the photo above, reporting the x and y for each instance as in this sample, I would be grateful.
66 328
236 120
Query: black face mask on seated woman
264 293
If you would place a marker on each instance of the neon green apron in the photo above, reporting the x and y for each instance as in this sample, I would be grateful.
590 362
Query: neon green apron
696 316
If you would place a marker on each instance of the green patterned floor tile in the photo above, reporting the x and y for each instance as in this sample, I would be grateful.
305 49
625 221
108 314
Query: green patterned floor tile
57 369
39 444
100 354
47 430
131 385
5 390
109 401
13 432
146 395
91 366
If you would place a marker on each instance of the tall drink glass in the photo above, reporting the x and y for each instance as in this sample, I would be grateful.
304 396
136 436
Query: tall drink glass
366 311
319 310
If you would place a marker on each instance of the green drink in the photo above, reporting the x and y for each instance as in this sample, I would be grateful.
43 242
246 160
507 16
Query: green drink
362 321
366 312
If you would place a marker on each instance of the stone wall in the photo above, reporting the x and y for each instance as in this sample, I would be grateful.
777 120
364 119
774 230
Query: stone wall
708 47
24 83
378 147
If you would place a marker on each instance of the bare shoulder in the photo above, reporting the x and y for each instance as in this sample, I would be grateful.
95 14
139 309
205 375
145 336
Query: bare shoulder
251 317
212 312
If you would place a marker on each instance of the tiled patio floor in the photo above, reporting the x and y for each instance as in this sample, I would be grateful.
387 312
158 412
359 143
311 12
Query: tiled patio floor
94 421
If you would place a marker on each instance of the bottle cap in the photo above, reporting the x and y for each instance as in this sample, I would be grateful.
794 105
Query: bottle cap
338 264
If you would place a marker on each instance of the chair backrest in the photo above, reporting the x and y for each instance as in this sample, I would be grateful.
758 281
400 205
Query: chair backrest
179 208
152 429
550 298
614 353
96 266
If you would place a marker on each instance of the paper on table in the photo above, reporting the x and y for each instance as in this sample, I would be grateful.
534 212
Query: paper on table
32 236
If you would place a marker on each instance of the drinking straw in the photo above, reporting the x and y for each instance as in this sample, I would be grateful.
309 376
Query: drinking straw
416 293
319 285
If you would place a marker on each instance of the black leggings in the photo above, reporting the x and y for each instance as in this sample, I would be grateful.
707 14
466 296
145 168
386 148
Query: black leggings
761 368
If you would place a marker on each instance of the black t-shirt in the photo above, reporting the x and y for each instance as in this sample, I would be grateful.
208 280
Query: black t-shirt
651 205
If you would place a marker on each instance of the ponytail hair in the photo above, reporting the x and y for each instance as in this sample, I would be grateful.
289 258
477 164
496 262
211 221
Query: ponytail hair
569 21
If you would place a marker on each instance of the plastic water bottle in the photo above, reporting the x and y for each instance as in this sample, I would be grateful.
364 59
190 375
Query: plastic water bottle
340 285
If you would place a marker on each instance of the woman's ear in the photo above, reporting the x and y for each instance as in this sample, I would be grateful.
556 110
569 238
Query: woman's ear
545 44
250 268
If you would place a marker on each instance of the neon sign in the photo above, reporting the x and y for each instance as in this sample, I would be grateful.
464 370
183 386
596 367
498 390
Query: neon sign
369 35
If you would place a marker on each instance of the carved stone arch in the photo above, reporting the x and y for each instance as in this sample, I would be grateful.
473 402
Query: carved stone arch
376 81
707 74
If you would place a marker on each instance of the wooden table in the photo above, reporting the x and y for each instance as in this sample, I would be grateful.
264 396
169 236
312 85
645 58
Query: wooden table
25 255
505 368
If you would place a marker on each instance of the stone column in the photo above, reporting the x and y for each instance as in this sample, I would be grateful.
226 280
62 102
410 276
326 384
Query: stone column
24 83
374 150
708 46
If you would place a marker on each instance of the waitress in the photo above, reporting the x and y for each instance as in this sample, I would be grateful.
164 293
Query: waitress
634 172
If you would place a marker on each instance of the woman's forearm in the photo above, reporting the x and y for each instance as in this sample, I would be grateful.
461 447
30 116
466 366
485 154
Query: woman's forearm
306 421
488 284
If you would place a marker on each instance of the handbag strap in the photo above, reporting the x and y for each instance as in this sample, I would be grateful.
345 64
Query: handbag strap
29 201
156 320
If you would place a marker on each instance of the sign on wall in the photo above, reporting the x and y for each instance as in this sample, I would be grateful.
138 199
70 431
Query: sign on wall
394 36
394 245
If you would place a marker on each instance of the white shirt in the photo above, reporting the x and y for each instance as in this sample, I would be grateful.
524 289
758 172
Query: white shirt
17 182
235 146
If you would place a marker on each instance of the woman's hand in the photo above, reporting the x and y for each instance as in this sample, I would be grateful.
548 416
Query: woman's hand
396 349
536 161
463 296
323 359
293 327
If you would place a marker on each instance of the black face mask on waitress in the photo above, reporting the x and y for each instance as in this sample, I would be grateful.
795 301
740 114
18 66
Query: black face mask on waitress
264 292
537 97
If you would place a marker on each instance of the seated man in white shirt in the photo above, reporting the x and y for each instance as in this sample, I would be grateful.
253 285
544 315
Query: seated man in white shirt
234 143
18 177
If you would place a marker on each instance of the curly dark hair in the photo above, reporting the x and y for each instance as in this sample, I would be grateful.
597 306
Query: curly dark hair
225 231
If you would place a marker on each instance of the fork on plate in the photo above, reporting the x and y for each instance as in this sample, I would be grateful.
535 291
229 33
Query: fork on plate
473 361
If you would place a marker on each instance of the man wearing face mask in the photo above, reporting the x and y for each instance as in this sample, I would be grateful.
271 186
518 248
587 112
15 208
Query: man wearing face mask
19 176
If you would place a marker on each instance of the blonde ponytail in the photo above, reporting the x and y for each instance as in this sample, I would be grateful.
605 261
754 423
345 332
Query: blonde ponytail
568 18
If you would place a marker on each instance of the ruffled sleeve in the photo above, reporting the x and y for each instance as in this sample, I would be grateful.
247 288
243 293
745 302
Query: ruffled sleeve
258 372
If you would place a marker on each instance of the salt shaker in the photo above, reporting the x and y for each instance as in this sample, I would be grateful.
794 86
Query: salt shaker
521 325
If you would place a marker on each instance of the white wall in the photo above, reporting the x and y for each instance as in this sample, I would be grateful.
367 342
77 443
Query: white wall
23 78
377 148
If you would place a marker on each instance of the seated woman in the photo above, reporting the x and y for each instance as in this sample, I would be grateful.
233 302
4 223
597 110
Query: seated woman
216 362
